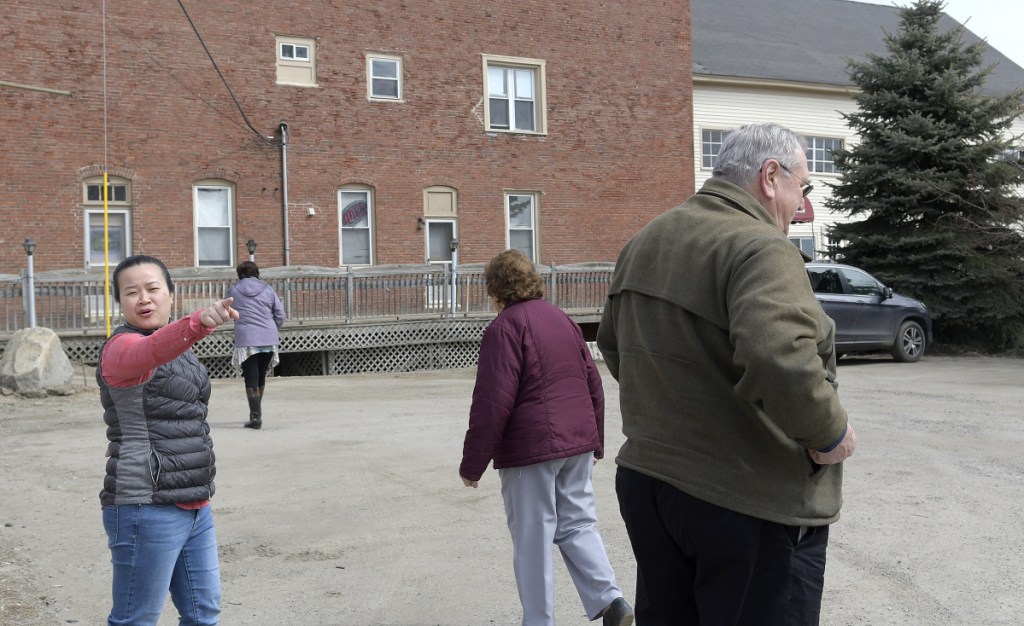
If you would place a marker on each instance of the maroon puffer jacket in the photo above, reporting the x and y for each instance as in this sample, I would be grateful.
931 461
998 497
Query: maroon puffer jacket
538 394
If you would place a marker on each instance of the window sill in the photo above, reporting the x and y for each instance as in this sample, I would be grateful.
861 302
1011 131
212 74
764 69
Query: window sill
505 131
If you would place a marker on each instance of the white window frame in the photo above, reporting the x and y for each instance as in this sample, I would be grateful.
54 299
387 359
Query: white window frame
229 226
369 227
538 97
294 58
710 146
820 150
534 213
370 77
94 207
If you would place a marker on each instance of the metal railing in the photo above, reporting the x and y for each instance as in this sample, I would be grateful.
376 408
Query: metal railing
72 301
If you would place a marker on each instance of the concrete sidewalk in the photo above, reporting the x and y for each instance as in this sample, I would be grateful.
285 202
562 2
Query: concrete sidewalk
347 507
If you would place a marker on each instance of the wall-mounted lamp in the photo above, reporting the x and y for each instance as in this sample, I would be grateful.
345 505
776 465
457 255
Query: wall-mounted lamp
420 222
251 245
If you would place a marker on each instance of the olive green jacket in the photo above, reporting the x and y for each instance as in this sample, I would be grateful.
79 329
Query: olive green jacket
725 361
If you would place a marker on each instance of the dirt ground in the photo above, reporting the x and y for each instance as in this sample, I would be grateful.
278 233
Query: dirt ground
347 507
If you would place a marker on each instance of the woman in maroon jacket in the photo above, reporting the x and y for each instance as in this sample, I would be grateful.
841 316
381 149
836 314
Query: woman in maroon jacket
538 411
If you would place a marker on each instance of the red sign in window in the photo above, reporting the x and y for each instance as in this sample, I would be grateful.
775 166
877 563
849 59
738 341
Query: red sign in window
353 213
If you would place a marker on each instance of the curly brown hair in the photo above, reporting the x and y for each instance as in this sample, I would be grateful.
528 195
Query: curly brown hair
511 277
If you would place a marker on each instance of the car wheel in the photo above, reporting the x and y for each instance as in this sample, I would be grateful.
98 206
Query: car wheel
909 346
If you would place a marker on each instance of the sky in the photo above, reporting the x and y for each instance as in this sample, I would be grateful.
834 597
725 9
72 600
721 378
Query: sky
997 21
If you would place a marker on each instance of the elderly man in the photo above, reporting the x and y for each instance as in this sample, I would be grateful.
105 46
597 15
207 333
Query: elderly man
728 478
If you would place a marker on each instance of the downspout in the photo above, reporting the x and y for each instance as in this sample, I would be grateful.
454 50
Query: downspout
284 191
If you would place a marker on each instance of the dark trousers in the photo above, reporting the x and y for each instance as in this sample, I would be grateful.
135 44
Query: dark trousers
254 369
700 564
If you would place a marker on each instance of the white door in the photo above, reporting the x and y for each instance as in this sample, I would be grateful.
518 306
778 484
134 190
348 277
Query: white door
439 237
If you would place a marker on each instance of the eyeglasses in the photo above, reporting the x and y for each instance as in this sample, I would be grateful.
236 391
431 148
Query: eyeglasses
805 187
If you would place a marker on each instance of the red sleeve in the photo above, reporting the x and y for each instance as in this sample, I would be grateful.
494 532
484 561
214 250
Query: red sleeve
129 358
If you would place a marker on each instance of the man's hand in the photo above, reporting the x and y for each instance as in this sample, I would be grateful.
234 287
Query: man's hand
218 313
470 483
838 454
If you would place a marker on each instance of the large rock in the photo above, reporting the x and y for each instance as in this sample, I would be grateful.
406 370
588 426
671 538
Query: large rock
34 361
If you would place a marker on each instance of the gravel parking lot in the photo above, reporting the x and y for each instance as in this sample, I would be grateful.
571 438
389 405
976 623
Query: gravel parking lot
347 507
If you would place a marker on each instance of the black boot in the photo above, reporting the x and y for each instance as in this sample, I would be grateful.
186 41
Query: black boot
255 411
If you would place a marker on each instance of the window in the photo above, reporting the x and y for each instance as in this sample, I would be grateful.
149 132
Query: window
117 193
1011 154
214 219
384 77
521 212
861 284
294 52
118 220
820 154
296 61
117 236
515 95
355 215
806 245
710 145
825 280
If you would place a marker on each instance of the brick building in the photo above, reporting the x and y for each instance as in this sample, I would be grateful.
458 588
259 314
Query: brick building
558 127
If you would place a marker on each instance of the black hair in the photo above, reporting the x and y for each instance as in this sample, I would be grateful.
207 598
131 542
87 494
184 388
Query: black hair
139 259
248 269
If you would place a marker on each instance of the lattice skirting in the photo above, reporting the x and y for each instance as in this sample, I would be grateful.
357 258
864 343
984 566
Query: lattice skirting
384 347
324 350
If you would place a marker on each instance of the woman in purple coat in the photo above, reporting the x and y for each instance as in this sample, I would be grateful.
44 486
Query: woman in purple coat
538 412
256 334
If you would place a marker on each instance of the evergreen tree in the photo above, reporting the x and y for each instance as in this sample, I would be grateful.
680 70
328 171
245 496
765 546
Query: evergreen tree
936 180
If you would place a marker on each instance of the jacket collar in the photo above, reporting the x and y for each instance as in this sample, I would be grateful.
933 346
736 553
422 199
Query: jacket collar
737 197
741 200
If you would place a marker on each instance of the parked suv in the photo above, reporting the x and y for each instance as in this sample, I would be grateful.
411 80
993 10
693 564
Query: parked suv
869 316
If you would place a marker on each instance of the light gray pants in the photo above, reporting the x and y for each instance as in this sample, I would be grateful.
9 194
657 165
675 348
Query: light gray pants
553 503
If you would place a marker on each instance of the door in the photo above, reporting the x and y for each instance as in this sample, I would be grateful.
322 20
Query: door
440 234
829 290
875 322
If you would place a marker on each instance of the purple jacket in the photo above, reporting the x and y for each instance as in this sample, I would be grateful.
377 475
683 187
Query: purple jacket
260 313
538 394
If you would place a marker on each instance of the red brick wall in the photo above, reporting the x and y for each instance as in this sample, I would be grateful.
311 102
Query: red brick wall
618 150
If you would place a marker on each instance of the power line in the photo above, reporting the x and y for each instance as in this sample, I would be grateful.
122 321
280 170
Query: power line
188 88
219 73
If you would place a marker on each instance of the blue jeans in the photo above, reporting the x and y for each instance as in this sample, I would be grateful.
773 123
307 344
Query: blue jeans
155 548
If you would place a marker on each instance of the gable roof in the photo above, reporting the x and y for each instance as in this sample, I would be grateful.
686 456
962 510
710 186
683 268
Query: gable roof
808 41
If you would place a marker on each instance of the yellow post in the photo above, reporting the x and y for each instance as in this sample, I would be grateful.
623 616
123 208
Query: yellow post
106 258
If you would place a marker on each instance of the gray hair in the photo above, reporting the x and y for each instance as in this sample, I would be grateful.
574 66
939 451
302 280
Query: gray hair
745 150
